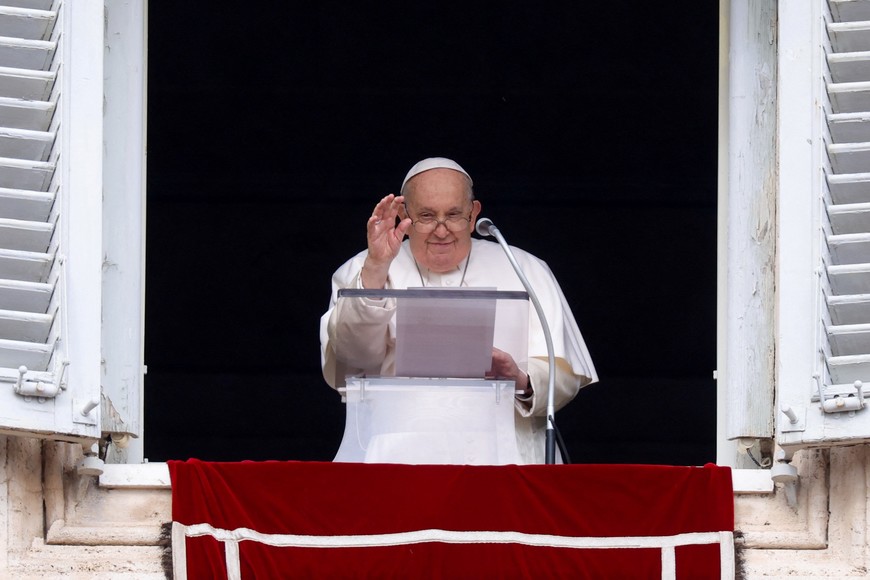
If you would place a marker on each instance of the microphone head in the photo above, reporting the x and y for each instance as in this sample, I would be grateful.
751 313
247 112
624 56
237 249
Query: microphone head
483 226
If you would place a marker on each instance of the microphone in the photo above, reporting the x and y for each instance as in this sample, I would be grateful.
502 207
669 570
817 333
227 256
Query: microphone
485 227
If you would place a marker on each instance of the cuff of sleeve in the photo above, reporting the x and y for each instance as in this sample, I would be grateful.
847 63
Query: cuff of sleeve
368 301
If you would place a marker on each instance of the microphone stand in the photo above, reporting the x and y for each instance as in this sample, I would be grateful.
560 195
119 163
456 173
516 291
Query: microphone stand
485 227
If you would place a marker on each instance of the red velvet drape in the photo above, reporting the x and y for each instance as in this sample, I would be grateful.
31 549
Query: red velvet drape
333 500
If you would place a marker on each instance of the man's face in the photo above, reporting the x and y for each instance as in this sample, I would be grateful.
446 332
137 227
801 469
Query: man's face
440 194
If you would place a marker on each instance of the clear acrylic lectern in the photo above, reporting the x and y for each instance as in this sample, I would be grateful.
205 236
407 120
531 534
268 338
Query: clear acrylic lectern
433 399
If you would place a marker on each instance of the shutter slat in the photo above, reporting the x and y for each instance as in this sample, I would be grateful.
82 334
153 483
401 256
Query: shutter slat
26 22
25 266
25 205
33 4
25 144
25 326
29 54
850 308
849 127
849 248
25 296
849 339
25 114
849 10
34 355
849 97
850 218
850 368
25 235
850 36
849 157
23 174
849 278
849 188
849 67
20 83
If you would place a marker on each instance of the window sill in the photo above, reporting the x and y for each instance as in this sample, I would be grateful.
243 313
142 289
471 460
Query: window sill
135 476
751 481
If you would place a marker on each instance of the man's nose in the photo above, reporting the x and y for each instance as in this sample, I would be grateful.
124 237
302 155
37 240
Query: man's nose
441 229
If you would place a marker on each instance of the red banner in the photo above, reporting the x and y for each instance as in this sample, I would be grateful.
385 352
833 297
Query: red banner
337 520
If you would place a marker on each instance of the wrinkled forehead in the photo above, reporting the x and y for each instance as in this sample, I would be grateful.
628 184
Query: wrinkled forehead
438 190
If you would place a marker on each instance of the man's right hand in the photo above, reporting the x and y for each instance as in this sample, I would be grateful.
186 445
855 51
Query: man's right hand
384 240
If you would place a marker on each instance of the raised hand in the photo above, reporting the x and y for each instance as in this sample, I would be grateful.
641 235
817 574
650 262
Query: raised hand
384 237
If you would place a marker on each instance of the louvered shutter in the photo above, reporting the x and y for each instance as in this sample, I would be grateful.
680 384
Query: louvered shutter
825 406
50 215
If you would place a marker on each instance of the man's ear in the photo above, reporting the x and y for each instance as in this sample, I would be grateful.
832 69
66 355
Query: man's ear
476 208
402 213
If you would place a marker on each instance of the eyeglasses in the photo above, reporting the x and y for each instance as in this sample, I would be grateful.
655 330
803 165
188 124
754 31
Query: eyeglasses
426 223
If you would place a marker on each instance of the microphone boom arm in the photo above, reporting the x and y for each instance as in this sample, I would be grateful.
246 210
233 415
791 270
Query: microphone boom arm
486 227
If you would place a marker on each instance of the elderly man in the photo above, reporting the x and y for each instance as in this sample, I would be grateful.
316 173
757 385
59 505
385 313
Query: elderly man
437 211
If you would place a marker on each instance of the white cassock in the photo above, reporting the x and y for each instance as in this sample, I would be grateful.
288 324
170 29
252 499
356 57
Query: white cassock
364 330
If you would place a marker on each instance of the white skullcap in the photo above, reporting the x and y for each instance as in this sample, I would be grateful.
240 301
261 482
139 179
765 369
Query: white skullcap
434 163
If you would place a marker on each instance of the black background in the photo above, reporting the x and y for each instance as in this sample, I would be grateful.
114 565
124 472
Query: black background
273 128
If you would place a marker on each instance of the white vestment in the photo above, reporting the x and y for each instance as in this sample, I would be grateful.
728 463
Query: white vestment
364 330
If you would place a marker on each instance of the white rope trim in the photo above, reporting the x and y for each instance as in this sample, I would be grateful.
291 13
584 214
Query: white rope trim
669 563
455 537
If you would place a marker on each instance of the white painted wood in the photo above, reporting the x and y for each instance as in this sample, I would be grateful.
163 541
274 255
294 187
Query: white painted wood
850 308
850 339
26 326
24 53
849 97
24 114
850 248
26 22
15 353
850 36
25 266
31 236
25 296
801 61
849 127
21 83
849 278
726 450
848 369
824 247
749 371
25 174
849 188
849 67
59 346
25 144
23 204
851 218
81 214
33 4
124 222
849 157
849 10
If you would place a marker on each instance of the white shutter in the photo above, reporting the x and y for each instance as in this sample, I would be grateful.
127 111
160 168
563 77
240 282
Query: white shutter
50 217
824 402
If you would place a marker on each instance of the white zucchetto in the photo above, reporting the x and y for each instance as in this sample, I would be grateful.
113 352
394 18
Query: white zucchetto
434 163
